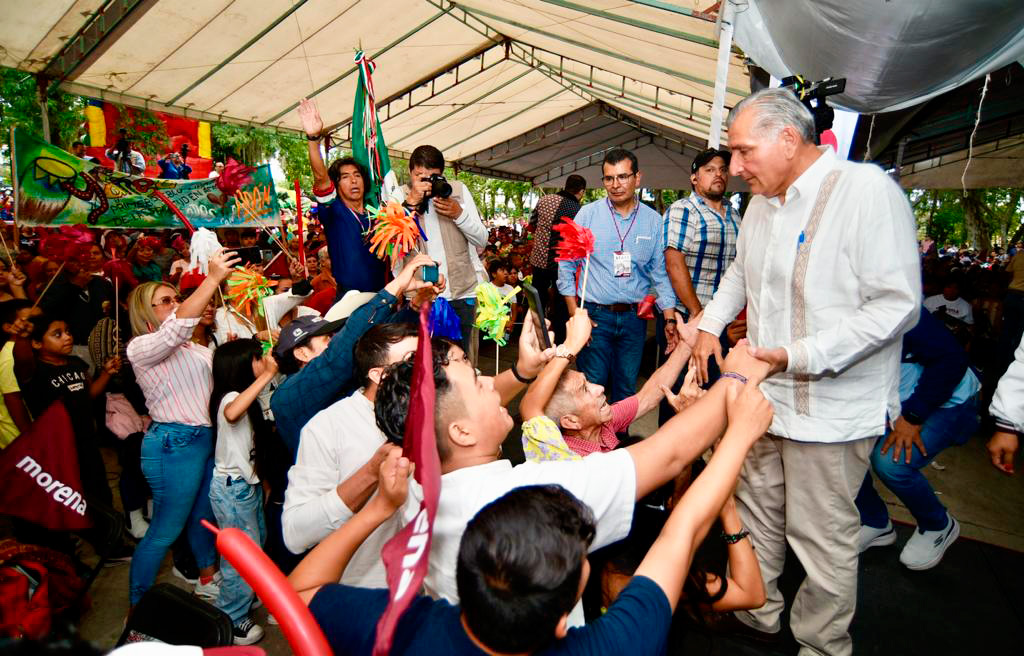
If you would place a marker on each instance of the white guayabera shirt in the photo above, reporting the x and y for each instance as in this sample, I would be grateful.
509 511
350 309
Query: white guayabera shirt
833 276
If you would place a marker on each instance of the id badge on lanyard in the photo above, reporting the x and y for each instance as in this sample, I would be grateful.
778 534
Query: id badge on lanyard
622 260
622 264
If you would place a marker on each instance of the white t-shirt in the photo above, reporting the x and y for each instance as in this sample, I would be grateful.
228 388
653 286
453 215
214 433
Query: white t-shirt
958 309
234 454
335 443
606 482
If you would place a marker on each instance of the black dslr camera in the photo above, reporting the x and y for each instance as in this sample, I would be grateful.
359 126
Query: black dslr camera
122 147
812 95
439 187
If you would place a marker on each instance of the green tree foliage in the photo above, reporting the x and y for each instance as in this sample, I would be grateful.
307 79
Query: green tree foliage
144 129
979 218
253 146
19 107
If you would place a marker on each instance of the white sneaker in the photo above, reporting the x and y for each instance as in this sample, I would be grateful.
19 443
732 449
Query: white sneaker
137 524
925 549
875 537
247 632
210 590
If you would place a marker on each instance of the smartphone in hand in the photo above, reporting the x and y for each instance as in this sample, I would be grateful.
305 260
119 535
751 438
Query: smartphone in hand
537 315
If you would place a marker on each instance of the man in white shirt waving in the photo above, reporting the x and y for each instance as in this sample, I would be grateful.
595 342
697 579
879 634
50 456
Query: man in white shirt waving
826 261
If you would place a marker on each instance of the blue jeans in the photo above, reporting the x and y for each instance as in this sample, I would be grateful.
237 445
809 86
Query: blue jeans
237 504
945 427
616 346
177 461
465 309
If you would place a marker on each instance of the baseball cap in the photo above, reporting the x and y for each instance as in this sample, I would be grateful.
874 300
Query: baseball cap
301 329
705 156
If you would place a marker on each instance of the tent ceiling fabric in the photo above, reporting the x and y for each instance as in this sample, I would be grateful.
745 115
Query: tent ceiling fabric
996 164
464 75
893 54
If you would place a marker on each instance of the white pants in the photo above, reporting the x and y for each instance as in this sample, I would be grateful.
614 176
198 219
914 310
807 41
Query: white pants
813 509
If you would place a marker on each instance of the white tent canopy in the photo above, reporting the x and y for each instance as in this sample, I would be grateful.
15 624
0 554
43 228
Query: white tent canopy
466 76
521 89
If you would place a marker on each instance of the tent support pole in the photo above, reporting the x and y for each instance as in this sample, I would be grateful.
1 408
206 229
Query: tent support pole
722 74
44 111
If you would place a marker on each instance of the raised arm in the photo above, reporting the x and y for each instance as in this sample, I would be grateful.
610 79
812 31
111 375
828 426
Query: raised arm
326 563
537 397
662 456
668 560
532 359
745 585
313 126
651 393
238 406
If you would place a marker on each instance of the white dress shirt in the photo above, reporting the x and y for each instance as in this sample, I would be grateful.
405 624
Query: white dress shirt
469 223
335 443
606 482
1008 402
837 297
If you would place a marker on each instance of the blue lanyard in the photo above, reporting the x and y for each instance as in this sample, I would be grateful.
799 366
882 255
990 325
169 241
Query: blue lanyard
615 223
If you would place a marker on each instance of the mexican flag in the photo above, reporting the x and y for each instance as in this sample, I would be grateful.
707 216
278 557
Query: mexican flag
368 147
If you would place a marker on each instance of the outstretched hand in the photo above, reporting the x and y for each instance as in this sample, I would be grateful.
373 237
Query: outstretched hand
705 346
532 357
309 115
221 263
777 358
749 412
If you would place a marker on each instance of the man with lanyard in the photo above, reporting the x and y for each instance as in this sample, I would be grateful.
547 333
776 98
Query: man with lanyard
627 261
700 243
340 192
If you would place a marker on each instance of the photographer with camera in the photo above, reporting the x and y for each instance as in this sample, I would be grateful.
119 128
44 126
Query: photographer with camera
453 227
126 158
173 166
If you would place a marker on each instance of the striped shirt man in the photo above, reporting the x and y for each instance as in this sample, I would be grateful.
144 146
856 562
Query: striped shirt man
706 239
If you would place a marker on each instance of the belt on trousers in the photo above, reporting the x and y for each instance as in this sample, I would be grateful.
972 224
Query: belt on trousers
614 307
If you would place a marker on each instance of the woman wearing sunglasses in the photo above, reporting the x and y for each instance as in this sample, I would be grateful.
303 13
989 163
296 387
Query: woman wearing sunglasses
175 375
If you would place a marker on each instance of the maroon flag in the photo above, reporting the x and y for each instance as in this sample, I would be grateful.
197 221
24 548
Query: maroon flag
42 482
406 555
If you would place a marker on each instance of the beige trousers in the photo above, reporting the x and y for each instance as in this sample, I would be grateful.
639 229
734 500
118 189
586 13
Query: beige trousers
804 493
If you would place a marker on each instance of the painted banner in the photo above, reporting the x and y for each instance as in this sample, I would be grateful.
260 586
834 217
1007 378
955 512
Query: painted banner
53 187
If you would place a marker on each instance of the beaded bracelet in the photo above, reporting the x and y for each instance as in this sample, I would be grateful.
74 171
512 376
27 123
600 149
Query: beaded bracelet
733 538
733 374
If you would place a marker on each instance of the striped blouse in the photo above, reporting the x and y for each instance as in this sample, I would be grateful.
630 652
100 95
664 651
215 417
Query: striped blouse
175 374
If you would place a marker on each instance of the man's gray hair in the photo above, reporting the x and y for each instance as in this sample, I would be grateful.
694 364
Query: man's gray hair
773 110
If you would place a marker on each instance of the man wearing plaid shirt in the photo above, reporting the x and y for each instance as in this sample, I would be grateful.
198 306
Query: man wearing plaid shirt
700 244
700 233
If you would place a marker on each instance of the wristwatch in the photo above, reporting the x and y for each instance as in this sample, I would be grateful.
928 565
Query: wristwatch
562 352
316 138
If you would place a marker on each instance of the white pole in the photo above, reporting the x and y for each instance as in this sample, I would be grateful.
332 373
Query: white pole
722 73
